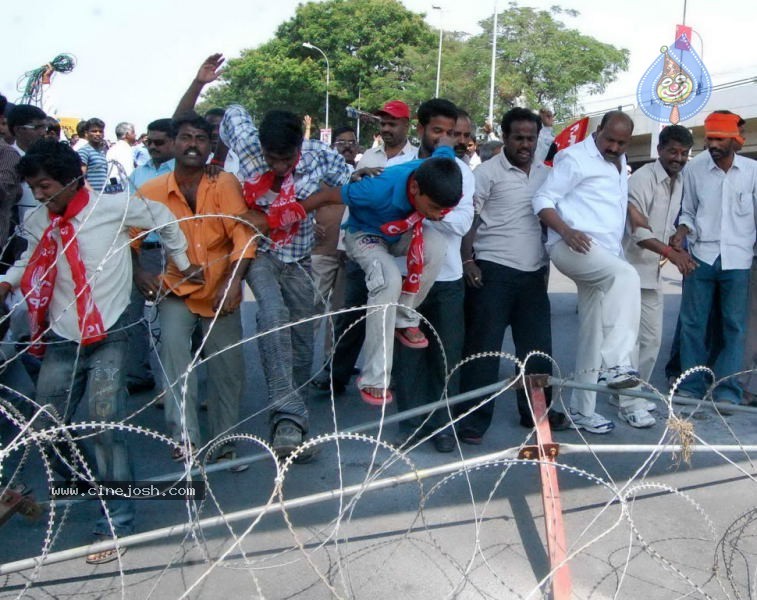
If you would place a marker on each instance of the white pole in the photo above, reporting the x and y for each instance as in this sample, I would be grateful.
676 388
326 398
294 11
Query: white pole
328 76
494 64
439 54
347 491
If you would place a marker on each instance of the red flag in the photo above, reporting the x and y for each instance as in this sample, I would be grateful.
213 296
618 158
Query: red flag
683 37
572 134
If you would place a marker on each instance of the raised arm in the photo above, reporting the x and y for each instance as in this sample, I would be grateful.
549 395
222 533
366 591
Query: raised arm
207 73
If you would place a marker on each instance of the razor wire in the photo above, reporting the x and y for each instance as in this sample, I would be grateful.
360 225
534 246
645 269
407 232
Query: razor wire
354 548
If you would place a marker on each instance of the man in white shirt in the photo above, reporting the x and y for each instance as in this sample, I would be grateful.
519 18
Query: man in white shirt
718 217
78 308
122 151
546 135
583 202
420 377
654 201
507 275
394 123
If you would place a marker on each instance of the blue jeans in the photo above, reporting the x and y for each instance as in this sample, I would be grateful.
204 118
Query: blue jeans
68 372
731 286
17 389
285 294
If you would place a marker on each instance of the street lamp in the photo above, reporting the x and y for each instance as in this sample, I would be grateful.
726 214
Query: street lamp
439 57
328 76
494 64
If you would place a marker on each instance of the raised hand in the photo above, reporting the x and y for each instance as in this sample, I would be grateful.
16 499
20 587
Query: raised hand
209 69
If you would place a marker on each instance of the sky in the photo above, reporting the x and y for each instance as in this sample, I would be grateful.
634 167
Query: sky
136 58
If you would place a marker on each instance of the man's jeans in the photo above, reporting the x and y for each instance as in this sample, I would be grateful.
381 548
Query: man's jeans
68 372
285 294
699 290
17 389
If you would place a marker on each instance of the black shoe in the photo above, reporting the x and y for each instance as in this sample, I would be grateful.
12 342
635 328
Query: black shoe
286 437
323 384
444 442
135 386
469 436
405 440
557 421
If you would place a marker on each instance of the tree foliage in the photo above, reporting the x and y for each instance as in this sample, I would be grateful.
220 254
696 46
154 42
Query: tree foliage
539 62
366 42
378 51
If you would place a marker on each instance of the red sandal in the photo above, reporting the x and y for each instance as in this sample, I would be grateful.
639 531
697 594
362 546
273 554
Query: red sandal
385 397
412 337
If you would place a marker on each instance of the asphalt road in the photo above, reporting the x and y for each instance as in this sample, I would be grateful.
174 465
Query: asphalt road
637 524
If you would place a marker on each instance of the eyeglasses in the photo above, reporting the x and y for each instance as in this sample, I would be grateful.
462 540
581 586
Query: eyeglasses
33 127
158 143
345 143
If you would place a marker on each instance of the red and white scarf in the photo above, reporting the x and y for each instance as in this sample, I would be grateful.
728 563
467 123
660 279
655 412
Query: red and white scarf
38 280
260 185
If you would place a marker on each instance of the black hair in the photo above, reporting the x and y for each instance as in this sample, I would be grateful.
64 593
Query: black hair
280 131
81 129
215 112
53 125
676 133
193 120
519 114
489 149
441 180
607 117
3 104
553 150
436 107
56 159
23 114
94 122
340 130
162 125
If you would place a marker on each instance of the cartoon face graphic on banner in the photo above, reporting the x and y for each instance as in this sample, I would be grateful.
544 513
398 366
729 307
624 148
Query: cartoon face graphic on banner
676 86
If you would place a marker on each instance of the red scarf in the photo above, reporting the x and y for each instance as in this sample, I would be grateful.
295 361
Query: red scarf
38 280
259 186
412 283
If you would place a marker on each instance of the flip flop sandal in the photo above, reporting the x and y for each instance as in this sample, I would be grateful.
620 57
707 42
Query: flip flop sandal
384 398
105 556
401 335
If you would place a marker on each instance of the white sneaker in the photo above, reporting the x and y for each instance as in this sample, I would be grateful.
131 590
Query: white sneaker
618 378
595 423
647 405
638 418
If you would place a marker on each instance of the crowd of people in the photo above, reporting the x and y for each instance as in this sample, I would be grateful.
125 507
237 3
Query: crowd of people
437 249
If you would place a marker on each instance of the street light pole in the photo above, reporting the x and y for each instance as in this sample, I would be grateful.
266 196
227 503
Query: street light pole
439 56
328 76
494 64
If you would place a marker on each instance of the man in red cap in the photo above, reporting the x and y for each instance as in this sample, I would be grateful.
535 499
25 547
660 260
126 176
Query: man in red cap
718 218
394 124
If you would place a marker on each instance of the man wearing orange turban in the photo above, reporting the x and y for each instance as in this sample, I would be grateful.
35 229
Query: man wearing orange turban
719 217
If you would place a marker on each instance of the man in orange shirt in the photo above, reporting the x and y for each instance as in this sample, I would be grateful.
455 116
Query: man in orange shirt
224 245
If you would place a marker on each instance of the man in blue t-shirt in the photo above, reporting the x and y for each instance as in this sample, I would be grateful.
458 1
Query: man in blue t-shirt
386 215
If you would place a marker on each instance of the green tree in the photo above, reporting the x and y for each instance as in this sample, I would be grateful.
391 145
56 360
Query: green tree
539 61
366 42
